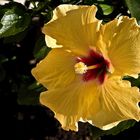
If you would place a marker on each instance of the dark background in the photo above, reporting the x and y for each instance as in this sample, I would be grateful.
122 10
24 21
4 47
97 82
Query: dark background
22 117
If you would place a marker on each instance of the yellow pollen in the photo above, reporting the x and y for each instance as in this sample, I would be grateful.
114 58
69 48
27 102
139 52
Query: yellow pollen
81 68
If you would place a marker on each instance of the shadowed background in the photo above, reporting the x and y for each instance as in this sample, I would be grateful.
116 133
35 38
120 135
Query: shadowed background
22 45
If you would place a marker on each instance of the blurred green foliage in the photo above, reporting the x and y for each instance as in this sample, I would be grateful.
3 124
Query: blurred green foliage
22 45
134 7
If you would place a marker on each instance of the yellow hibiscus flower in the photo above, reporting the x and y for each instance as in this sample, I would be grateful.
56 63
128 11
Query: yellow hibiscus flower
84 70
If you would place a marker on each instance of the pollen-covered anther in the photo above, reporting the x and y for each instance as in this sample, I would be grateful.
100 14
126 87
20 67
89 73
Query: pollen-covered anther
80 68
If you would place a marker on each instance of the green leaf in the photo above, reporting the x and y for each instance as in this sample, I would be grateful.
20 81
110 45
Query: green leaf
121 127
114 131
134 8
134 81
29 91
29 94
3 59
41 53
15 38
107 9
40 50
13 19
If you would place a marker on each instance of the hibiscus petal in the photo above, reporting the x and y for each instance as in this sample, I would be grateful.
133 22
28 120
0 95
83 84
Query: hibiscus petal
118 101
74 28
62 10
103 106
56 70
121 38
62 105
68 122
71 103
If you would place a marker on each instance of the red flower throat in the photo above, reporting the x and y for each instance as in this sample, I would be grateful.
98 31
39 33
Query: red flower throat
101 66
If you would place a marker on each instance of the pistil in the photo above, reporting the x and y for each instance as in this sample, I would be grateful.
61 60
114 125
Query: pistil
92 67
82 68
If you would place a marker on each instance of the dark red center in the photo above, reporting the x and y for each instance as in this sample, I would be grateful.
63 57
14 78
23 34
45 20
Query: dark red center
100 71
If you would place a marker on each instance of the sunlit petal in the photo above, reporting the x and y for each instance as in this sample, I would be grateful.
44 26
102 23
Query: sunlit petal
62 10
120 39
75 30
118 101
56 70
105 106
71 103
